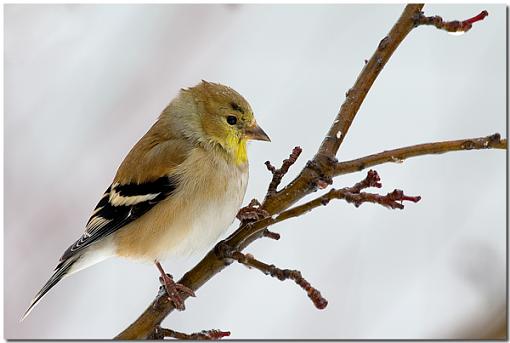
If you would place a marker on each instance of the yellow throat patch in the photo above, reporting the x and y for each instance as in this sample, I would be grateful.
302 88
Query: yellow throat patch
238 150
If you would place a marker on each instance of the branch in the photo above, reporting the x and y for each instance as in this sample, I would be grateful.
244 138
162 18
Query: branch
400 155
316 174
355 96
322 166
281 274
352 195
242 237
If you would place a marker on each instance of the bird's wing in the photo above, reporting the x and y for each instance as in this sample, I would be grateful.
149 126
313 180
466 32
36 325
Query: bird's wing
145 178
120 205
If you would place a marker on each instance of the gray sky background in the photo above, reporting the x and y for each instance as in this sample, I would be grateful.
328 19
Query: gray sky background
83 83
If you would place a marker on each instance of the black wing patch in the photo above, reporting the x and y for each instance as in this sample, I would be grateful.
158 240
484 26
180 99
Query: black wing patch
119 206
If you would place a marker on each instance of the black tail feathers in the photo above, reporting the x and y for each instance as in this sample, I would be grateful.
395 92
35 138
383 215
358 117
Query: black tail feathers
62 270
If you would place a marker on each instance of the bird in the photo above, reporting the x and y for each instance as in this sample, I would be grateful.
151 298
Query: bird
176 191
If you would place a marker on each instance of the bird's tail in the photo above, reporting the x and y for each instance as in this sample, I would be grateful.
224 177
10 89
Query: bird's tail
62 270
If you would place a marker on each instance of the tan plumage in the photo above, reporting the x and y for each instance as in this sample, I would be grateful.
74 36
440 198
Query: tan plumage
177 189
203 205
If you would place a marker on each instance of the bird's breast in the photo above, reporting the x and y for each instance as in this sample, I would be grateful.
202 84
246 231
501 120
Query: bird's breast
213 202
209 194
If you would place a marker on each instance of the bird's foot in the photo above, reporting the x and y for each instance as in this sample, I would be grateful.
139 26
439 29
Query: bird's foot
172 289
252 212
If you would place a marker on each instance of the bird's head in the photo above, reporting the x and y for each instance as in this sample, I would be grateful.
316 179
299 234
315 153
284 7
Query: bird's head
224 118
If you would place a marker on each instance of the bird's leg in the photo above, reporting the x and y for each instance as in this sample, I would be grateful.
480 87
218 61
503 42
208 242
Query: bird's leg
172 288
252 212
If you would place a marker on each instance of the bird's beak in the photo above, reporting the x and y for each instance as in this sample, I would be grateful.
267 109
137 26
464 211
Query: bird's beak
254 132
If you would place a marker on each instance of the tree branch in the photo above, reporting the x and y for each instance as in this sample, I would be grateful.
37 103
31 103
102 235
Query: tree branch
281 274
356 95
321 167
316 174
400 155
350 194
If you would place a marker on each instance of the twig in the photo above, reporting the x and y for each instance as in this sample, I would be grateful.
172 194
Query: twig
352 195
205 335
270 234
278 174
450 26
391 200
281 274
372 180
399 155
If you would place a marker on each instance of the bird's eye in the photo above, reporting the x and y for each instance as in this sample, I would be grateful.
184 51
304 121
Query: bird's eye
231 120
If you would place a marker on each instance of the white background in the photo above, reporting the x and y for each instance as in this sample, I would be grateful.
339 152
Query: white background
83 83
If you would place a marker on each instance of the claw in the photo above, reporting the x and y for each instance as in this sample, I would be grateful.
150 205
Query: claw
252 212
185 289
173 289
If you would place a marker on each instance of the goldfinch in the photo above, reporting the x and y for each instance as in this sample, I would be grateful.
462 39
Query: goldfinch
177 190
